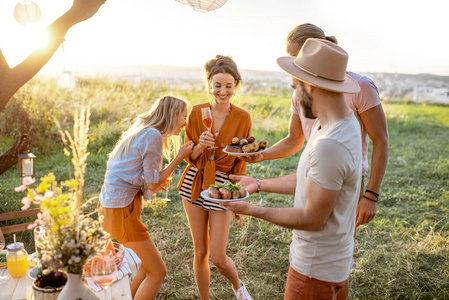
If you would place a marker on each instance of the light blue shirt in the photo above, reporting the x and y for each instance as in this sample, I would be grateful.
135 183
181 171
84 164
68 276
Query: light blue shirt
126 175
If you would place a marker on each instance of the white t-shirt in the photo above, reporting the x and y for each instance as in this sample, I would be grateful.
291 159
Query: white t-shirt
367 98
332 159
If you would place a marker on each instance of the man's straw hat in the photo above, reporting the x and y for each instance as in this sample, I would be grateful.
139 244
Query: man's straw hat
323 64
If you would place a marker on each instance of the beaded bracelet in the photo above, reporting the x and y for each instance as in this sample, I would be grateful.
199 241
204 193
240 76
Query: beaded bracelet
258 185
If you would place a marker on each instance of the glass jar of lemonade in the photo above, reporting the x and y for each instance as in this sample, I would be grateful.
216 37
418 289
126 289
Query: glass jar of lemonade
16 259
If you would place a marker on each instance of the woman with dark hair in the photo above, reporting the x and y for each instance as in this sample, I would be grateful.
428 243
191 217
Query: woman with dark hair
209 222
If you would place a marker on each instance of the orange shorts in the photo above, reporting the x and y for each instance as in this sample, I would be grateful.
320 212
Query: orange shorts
301 287
125 224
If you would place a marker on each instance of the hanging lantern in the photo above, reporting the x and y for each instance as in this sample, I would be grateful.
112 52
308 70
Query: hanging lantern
26 11
205 5
66 81
181 1
26 164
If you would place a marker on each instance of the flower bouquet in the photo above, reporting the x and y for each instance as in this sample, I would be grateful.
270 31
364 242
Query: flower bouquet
71 237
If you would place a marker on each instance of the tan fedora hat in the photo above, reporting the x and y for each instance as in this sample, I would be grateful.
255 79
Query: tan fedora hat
323 64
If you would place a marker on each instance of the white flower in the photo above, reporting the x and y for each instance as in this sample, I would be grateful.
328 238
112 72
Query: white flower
49 194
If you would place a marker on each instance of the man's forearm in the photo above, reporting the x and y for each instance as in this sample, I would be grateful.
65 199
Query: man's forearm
280 185
379 161
284 148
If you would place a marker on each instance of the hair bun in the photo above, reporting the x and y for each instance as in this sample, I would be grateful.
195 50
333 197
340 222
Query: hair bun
332 38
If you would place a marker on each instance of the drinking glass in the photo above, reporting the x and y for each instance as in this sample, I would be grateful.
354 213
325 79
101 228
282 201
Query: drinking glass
207 119
104 271
166 191
39 235
3 278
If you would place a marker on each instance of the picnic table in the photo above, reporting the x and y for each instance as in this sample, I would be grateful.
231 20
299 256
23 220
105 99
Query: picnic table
21 288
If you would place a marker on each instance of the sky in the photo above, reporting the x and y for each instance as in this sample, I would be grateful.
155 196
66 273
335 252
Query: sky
393 36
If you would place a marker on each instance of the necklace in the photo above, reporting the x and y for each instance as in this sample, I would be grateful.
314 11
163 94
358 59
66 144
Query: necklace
219 121
225 115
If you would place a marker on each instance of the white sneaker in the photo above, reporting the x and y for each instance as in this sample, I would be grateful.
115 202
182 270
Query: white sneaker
242 293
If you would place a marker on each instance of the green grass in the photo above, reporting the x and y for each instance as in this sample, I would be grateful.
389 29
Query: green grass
402 254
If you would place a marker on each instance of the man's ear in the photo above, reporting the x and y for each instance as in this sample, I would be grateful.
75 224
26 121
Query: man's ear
309 88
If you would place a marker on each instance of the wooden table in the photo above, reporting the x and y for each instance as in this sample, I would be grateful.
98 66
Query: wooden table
21 288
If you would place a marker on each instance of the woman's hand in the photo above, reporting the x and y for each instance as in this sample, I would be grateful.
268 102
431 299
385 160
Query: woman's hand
238 219
185 150
207 139
82 10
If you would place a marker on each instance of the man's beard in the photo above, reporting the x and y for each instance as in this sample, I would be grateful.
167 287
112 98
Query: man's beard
305 100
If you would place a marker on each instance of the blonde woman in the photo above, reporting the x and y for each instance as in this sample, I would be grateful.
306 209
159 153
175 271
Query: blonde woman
134 171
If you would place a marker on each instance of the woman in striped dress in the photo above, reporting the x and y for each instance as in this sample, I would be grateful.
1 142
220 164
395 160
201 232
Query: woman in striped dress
209 222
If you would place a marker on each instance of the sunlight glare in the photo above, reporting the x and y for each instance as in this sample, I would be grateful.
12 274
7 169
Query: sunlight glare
27 38
37 38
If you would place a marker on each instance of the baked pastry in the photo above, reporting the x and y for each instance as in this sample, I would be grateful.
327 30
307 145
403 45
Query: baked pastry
263 144
236 148
245 145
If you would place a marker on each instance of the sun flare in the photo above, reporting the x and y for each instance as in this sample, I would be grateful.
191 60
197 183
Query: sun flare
24 40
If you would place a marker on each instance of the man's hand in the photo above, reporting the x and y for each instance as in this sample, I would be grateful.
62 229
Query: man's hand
237 207
258 157
366 210
248 183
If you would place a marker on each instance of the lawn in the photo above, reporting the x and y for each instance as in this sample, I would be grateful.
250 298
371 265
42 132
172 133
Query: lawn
402 254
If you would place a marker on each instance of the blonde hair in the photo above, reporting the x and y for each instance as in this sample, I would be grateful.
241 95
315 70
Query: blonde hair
162 116
302 32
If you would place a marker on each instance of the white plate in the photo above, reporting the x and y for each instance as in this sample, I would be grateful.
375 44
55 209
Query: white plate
243 154
205 195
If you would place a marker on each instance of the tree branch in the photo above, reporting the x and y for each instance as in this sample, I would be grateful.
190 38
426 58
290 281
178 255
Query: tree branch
9 158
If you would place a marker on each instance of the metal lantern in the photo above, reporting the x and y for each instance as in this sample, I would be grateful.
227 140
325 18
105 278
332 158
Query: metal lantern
26 11
205 5
26 164
66 81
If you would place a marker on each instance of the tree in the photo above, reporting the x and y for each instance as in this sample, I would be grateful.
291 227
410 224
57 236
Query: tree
12 79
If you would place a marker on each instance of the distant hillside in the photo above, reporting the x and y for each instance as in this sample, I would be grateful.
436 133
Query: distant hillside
392 86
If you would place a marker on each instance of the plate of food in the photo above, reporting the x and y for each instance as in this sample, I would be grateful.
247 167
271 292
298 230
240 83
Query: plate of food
225 192
245 146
